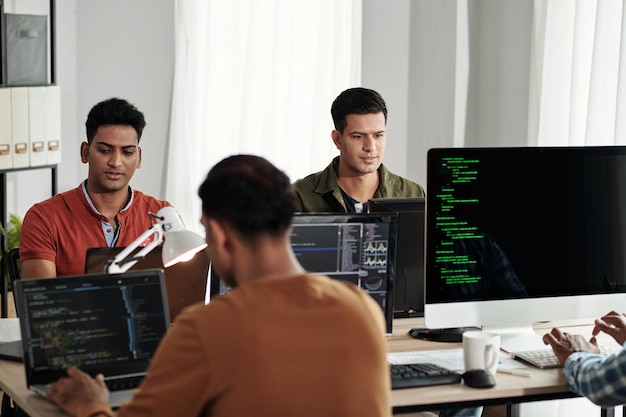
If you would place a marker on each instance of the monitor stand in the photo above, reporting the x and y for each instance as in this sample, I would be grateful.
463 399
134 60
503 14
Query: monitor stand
451 335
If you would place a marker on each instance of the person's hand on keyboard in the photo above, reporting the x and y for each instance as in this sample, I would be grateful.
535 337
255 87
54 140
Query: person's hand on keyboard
613 324
564 344
86 391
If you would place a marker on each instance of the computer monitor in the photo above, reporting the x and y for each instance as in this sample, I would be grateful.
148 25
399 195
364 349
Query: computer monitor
519 235
358 248
408 291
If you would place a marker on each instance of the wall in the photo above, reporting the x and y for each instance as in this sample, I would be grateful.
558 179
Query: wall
386 70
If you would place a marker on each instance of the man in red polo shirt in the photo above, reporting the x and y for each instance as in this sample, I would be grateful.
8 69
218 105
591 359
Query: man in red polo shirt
102 211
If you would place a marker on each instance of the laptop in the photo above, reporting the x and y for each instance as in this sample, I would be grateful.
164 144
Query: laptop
109 324
186 282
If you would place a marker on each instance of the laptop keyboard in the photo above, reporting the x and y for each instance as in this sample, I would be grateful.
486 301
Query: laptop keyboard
545 358
123 383
421 375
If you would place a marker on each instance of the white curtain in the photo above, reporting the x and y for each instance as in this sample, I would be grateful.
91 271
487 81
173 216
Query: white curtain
258 77
578 74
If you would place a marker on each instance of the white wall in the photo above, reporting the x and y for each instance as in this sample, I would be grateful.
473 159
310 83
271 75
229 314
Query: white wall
385 69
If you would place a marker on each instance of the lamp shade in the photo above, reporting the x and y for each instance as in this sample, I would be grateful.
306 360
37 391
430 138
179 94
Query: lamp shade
181 246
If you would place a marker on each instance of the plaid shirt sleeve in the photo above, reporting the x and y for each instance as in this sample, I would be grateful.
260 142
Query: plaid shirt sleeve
601 379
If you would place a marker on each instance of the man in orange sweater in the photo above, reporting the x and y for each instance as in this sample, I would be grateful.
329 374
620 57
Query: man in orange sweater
282 342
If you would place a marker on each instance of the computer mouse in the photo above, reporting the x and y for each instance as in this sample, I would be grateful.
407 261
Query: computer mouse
479 378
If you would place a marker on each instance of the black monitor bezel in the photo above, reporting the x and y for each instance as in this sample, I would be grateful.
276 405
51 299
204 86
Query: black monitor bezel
435 156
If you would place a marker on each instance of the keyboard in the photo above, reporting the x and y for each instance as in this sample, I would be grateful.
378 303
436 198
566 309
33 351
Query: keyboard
421 375
545 358
123 383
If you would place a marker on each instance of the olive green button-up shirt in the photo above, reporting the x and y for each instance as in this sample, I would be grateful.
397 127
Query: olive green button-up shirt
320 192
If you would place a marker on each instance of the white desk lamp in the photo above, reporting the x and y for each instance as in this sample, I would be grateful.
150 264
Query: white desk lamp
179 244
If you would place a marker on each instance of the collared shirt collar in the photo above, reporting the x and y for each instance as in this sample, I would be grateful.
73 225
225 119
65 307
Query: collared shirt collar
328 181
93 207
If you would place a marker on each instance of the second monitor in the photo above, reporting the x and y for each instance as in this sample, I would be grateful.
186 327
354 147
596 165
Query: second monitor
409 267
358 248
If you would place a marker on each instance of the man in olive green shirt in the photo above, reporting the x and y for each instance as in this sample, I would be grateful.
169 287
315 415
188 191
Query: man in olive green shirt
357 174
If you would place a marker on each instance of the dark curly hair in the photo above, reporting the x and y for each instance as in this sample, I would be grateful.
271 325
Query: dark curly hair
250 195
114 111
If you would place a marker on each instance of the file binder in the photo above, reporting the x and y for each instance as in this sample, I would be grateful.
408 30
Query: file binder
37 125
6 159
53 125
20 127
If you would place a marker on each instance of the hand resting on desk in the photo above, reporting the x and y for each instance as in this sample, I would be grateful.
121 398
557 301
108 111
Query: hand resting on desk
78 391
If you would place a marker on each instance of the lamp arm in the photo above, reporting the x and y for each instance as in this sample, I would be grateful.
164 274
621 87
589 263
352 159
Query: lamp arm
119 264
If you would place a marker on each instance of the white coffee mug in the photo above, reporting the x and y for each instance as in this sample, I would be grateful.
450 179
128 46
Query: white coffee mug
481 350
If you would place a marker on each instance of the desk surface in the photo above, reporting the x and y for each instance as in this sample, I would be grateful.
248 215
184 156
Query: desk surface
542 385
13 383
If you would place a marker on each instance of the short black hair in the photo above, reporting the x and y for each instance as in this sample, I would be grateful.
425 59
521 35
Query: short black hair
356 100
114 111
250 195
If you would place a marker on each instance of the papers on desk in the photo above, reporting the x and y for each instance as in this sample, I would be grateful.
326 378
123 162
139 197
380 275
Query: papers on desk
10 340
448 358
10 330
